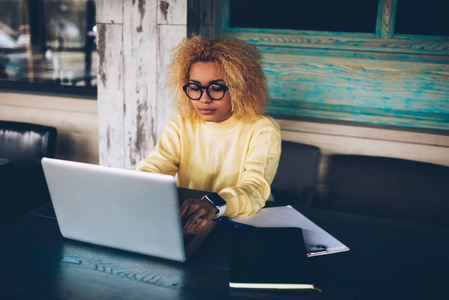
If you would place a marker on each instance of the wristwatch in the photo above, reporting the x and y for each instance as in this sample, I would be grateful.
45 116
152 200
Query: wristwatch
216 202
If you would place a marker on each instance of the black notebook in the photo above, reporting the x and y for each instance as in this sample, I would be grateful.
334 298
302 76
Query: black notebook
269 258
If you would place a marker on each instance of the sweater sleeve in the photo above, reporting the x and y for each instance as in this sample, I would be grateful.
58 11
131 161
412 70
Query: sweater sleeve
165 156
254 186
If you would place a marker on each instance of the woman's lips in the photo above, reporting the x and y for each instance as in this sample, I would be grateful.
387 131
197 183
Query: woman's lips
207 111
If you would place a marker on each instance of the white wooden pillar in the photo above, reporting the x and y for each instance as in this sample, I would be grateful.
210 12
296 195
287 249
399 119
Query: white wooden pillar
134 42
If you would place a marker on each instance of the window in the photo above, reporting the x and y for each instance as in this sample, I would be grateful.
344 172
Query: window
347 16
48 45
366 62
422 17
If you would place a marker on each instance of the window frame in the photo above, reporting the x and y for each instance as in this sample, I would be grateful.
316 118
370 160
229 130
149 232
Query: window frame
381 44
383 39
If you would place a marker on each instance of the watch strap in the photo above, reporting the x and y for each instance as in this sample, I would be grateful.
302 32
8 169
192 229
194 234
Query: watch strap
219 203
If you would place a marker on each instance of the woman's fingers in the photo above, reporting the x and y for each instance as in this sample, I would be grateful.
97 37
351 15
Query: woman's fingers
193 210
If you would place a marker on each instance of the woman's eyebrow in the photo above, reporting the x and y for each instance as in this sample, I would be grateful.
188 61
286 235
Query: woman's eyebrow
216 81
210 82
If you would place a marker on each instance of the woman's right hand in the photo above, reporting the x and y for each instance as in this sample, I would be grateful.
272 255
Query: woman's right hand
194 209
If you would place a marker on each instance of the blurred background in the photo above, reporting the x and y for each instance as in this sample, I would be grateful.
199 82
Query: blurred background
48 41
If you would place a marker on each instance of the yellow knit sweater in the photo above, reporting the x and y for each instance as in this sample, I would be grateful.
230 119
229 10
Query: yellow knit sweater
236 159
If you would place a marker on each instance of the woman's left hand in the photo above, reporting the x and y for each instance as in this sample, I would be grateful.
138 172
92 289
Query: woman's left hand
193 209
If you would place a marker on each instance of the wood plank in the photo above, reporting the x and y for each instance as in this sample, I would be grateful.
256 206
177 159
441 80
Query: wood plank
365 132
110 95
173 12
383 79
358 89
62 120
343 41
169 36
140 80
373 117
109 11
386 21
354 54
51 102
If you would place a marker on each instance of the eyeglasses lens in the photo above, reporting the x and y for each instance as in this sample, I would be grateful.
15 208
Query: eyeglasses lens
214 91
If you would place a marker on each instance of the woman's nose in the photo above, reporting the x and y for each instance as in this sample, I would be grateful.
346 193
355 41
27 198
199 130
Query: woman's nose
205 97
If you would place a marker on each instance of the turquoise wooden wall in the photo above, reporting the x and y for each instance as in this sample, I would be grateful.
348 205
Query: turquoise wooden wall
376 78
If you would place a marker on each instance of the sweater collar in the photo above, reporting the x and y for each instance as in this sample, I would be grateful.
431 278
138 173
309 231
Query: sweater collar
222 127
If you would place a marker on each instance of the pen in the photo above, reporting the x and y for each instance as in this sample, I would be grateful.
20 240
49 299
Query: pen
227 221
315 250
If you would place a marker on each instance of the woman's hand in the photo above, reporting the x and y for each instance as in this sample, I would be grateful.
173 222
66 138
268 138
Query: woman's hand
193 209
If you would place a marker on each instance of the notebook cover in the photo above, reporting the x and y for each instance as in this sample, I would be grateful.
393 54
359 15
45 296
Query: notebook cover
269 258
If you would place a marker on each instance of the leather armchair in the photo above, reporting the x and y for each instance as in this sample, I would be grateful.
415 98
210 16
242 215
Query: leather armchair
297 173
22 146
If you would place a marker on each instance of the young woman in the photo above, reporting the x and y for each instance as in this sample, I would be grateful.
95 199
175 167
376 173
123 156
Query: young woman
219 141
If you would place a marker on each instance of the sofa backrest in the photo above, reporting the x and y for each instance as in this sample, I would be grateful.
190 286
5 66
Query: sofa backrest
25 144
297 173
389 187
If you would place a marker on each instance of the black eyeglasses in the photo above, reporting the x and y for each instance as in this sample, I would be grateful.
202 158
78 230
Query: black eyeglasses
214 90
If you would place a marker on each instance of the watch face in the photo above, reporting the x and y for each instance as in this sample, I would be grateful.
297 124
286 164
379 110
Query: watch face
216 199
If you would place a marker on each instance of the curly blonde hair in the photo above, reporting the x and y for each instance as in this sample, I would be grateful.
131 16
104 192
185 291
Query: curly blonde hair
239 62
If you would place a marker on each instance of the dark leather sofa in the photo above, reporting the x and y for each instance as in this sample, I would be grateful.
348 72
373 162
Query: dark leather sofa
388 187
363 184
23 187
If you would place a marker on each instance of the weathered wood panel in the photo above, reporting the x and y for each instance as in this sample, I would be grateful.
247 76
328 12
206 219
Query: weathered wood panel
386 18
169 36
108 11
140 80
173 12
52 103
110 95
364 132
371 78
339 41
406 93
133 106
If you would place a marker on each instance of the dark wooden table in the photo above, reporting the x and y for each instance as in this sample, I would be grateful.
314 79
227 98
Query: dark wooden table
388 260
6 189
4 161
5 169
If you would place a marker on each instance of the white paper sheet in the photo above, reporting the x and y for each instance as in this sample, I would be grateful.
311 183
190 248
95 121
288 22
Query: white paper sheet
287 216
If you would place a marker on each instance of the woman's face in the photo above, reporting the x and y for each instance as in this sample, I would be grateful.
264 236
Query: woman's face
203 74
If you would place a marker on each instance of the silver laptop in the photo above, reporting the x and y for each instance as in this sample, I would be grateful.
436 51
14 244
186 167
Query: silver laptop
125 209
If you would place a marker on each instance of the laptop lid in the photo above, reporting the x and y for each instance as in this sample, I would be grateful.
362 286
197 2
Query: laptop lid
124 209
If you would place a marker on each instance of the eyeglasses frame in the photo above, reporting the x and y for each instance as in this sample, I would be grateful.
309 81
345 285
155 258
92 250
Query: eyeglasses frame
206 88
